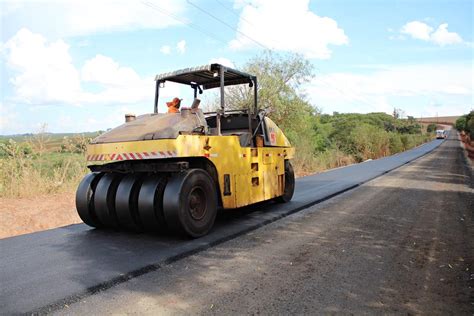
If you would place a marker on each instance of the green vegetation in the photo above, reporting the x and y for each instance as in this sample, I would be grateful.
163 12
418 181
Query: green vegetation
45 163
431 128
41 164
322 141
466 123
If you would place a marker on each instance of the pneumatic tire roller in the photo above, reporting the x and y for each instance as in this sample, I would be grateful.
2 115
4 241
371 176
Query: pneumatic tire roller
171 172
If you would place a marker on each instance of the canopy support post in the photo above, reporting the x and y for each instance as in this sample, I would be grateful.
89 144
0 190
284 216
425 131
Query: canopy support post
157 94
221 112
255 109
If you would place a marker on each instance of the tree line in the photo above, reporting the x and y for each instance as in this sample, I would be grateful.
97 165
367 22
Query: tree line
322 140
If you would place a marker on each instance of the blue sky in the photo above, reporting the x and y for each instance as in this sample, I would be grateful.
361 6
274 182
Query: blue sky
81 65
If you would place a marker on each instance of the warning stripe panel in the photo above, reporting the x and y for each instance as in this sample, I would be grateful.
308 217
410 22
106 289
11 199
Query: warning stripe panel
133 156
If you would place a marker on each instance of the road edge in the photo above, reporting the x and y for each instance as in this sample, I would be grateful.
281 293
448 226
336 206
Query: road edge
63 303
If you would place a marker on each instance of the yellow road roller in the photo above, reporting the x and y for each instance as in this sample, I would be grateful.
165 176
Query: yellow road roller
172 172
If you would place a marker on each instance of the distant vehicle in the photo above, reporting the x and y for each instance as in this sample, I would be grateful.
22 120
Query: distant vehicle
441 134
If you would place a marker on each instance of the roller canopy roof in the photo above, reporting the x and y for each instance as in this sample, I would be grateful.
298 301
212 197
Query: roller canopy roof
207 76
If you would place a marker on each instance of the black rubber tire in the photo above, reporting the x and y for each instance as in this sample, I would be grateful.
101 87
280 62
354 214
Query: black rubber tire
289 184
126 203
104 199
85 199
190 202
150 203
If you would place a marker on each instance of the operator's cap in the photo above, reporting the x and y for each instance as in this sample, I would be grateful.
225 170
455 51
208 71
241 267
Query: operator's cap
174 102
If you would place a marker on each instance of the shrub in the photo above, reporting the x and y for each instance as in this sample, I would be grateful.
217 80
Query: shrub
369 142
396 144
431 128
466 123
25 173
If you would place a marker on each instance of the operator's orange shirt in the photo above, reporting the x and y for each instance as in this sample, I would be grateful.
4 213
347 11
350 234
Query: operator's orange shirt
173 109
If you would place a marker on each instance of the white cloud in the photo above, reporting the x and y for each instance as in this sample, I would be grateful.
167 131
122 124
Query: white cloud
44 70
443 37
165 49
81 17
222 61
418 30
44 74
106 71
417 85
422 31
287 26
181 46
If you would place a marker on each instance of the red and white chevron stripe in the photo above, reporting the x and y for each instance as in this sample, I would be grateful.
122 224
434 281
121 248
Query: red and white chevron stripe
132 156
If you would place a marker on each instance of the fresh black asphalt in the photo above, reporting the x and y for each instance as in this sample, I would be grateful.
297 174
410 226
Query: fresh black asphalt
43 271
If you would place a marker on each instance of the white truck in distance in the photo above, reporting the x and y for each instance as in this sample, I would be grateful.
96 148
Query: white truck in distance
441 134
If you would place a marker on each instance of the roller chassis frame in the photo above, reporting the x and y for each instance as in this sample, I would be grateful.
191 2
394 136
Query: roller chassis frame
141 166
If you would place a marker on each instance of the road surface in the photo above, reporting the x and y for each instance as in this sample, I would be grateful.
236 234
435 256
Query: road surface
402 243
50 270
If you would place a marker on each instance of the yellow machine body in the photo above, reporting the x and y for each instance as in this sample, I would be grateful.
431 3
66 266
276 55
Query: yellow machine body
254 174
172 171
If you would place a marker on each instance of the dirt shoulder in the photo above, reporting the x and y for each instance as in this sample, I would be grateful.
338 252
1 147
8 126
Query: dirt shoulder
468 146
27 215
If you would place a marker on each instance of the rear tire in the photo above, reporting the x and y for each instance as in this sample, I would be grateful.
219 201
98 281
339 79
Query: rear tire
85 199
289 184
190 202
126 203
104 199
150 203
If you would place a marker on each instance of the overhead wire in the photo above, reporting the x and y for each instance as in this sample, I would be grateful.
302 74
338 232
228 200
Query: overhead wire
352 97
359 98
355 96
227 24
235 14
187 23
211 35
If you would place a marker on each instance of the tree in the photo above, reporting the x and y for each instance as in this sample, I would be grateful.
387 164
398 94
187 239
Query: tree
40 139
470 124
460 123
431 128
396 113
466 123
280 79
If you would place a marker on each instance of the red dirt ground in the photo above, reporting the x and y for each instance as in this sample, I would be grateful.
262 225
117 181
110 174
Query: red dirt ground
468 145
26 215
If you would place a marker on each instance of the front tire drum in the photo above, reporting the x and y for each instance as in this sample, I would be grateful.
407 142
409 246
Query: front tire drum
190 202
150 203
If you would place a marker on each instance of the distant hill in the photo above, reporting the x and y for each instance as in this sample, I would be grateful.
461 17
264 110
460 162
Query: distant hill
52 141
26 136
439 119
